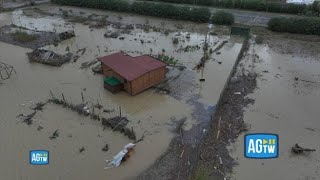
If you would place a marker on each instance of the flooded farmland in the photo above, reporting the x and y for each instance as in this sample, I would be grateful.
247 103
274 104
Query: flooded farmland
151 114
286 103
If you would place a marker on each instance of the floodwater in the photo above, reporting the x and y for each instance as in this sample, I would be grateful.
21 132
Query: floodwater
285 107
149 113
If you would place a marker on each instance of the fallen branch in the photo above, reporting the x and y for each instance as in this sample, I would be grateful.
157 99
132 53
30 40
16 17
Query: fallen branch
218 133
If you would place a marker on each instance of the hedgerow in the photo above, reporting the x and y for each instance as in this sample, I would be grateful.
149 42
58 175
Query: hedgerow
144 8
307 25
255 5
222 18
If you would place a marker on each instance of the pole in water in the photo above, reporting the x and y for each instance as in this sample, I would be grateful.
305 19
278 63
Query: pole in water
63 97
51 94
120 110
82 97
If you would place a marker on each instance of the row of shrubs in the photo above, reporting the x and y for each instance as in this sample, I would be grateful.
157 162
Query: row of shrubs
307 25
256 5
144 8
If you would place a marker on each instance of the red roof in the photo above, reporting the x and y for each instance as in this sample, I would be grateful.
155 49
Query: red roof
130 67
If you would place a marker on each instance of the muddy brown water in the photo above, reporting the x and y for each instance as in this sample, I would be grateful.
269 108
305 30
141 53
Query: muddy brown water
285 107
148 112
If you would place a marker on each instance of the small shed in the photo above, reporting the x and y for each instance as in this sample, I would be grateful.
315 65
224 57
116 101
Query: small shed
133 74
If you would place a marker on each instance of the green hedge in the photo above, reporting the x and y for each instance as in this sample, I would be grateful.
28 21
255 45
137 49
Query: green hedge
255 5
309 25
223 18
144 8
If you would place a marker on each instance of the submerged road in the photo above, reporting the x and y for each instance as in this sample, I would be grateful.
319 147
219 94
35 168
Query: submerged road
251 18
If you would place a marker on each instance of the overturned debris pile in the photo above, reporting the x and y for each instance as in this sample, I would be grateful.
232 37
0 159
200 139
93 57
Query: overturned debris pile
49 57
66 35
119 124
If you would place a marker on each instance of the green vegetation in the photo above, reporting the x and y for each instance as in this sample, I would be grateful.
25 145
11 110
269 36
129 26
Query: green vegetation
259 39
200 173
166 32
255 5
175 41
23 37
169 60
144 8
307 25
222 18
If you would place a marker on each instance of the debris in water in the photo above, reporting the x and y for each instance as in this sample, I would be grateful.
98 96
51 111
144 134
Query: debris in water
83 51
82 149
99 106
111 35
39 106
39 128
119 124
105 148
201 80
299 150
108 111
88 64
123 155
97 69
54 135
27 119
6 71
296 79
49 57
66 35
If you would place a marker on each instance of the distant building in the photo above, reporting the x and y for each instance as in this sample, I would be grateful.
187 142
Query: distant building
300 1
133 74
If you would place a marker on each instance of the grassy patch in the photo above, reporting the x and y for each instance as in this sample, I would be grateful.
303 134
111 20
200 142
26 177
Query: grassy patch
175 41
169 60
259 39
201 173
22 36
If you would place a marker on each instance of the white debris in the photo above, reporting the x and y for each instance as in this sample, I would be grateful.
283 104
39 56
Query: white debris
116 160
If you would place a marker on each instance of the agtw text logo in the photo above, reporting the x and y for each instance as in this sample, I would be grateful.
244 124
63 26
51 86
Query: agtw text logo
261 146
39 157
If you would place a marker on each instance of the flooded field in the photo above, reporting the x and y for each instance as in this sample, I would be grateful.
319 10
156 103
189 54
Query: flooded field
150 113
286 103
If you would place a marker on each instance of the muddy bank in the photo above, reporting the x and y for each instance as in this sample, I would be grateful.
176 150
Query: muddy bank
214 159
31 39
8 5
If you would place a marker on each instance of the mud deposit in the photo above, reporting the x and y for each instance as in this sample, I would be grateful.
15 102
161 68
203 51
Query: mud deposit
76 153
